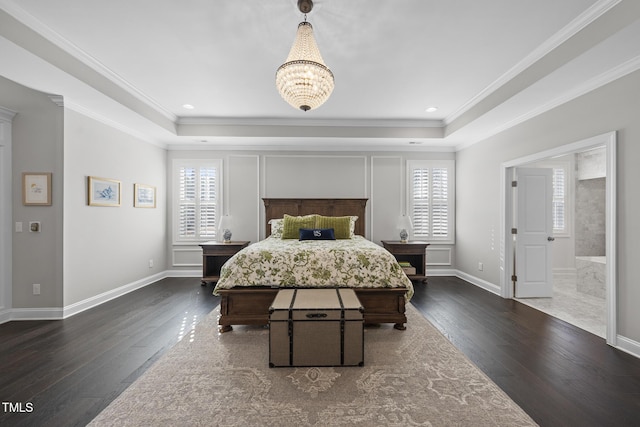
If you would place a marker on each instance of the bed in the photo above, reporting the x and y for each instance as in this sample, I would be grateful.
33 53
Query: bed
250 279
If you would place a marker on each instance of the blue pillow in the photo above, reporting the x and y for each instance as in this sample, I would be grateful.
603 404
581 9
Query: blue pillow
317 234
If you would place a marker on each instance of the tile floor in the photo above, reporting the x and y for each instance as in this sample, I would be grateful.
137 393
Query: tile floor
582 310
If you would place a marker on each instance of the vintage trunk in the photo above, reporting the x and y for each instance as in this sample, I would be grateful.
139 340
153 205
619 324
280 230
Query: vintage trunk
316 327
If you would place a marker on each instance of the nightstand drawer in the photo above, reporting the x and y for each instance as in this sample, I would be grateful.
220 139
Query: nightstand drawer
215 254
411 255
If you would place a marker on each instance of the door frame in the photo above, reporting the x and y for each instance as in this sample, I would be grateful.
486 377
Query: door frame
608 140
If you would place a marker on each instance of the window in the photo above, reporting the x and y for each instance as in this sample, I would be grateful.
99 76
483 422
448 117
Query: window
198 199
559 200
430 199
562 197
561 181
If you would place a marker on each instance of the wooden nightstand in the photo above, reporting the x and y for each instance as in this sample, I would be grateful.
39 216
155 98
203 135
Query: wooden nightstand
413 252
214 254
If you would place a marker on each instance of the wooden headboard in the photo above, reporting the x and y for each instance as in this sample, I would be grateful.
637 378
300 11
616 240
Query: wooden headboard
276 208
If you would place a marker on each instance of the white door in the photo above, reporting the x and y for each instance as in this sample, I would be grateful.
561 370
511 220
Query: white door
534 236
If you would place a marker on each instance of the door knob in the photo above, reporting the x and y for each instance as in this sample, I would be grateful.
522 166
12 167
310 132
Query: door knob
551 239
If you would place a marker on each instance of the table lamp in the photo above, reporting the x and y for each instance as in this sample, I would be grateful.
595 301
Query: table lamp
404 225
226 222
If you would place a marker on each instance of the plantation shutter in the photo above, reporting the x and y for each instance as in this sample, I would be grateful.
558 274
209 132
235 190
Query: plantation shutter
420 198
208 202
430 200
440 203
559 185
197 202
187 203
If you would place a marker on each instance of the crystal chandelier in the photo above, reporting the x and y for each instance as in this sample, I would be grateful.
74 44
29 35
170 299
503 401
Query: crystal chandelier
304 81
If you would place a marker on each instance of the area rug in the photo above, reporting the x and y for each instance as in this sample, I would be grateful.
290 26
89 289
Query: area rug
414 377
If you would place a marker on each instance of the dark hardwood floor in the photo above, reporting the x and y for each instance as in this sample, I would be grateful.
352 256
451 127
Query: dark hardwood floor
559 374
69 370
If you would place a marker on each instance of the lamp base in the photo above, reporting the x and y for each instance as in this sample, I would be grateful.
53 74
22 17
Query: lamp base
403 236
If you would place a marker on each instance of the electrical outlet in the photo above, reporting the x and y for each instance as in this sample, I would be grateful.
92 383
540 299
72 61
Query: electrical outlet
480 266
36 288
150 263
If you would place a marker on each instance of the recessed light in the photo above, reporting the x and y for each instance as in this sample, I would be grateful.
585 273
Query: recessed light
415 142
431 109
188 106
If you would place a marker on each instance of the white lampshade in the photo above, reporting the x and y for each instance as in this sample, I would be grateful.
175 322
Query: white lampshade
226 221
404 223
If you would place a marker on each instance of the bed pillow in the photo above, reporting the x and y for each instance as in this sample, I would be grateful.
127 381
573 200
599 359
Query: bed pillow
317 234
292 225
340 224
276 227
352 225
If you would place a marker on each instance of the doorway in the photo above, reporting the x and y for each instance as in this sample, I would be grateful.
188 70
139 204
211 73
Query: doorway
607 141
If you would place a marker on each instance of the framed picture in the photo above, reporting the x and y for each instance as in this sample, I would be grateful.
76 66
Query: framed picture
36 188
144 196
103 192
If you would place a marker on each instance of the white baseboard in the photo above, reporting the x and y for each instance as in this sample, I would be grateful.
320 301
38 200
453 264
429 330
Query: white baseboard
440 272
5 315
94 301
184 273
43 313
487 286
57 313
628 346
622 343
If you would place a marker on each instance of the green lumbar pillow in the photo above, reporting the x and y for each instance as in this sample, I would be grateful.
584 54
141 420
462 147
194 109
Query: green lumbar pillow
341 225
293 224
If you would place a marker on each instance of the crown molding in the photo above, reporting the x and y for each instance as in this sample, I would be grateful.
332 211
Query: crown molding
306 147
266 121
579 23
57 99
113 124
590 85
37 26
6 114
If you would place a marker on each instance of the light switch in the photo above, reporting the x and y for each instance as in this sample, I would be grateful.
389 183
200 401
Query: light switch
18 227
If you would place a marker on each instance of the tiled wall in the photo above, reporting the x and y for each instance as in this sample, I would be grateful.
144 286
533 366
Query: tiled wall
590 204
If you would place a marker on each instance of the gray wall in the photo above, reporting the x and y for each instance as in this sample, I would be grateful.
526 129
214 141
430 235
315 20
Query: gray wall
109 247
252 175
478 183
87 251
96 261
37 146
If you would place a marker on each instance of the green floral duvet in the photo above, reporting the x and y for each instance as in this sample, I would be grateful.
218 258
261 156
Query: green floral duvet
352 263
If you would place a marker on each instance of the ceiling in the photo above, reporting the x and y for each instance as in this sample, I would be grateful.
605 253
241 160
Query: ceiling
486 66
